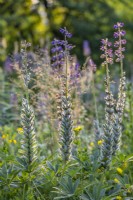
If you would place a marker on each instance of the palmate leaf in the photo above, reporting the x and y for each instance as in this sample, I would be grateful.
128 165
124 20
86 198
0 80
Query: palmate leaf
7 176
50 166
124 180
87 196
53 168
97 192
129 158
67 188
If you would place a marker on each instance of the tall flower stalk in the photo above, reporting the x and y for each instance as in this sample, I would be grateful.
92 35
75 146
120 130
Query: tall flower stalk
114 109
28 144
28 151
106 156
121 90
66 133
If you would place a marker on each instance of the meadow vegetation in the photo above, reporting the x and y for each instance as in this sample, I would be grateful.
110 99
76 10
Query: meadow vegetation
66 129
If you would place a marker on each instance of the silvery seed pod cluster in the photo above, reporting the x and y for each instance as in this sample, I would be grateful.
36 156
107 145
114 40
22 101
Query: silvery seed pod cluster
28 144
119 114
28 149
61 65
66 133
114 108
121 97
106 156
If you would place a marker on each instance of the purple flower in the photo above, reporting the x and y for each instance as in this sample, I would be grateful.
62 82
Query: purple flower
59 42
107 52
69 47
56 49
109 44
55 42
65 32
77 66
123 41
116 34
123 49
116 44
104 41
122 32
57 63
60 49
118 25
92 65
58 56
86 48
75 73
115 26
120 42
102 48
8 65
54 58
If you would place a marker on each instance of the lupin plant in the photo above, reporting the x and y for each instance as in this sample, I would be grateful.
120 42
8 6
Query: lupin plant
121 91
114 108
61 58
28 144
109 106
28 149
83 177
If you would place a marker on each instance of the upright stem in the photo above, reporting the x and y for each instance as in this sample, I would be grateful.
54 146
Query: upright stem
66 63
121 64
130 97
94 96
121 61
26 63
107 71
107 75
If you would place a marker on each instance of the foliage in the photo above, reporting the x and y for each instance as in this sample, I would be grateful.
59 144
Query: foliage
54 150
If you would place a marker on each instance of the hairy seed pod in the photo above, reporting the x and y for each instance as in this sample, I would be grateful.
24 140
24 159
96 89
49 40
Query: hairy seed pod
66 133
106 153
28 149
119 114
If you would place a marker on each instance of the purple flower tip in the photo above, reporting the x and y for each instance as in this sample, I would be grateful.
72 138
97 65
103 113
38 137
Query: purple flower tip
65 32
118 25
123 33
116 34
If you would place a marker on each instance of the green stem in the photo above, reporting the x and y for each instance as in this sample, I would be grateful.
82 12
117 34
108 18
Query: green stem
108 78
94 96
130 104
121 61
66 63
107 71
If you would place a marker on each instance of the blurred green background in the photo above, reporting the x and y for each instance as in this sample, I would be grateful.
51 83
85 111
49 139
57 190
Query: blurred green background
38 21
